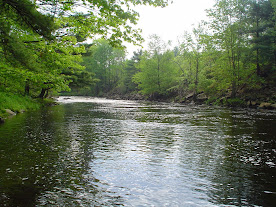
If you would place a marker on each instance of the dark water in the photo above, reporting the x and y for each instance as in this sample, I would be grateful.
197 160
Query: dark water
96 152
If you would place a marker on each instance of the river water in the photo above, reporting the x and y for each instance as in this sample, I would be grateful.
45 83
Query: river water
100 152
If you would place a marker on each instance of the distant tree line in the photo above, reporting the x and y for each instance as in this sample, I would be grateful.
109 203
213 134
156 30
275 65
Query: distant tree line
233 51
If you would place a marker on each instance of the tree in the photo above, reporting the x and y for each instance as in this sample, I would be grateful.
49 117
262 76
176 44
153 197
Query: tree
183 60
106 63
157 72
273 3
197 50
189 59
130 70
263 36
38 39
111 20
228 27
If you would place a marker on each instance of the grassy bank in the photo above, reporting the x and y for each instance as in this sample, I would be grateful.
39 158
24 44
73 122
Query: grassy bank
16 103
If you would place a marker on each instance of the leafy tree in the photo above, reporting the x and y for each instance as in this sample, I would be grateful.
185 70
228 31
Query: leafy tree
157 73
183 61
228 32
189 60
111 19
197 50
117 67
273 4
130 70
106 63
38 39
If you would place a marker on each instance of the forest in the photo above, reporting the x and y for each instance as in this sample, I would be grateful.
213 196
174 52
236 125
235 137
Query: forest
228 59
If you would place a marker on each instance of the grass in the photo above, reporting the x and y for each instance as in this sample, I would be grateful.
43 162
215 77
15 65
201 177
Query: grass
16 103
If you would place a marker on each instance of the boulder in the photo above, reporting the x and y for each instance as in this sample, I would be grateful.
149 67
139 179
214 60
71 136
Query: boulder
189 96
202 97
10 112
265 105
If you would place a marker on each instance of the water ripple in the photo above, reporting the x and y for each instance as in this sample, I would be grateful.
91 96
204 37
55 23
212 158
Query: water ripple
100 152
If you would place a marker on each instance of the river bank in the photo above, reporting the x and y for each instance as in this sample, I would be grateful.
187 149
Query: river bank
12 104
262 98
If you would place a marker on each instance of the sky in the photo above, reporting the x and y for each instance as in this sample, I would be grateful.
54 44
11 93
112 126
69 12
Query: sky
170 22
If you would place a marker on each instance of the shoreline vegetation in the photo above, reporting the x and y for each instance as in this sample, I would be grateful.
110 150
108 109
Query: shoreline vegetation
12 104
262 98
259 99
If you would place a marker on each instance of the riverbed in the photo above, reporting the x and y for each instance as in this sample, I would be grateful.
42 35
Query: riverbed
102 152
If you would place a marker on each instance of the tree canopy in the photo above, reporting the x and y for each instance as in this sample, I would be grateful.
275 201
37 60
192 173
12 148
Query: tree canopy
40 39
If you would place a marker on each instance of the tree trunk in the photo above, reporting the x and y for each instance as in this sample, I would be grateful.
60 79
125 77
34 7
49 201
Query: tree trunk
27 88
258 64
196 80
234 80
234 89
158 74
42 93
47 93
258 69
274 52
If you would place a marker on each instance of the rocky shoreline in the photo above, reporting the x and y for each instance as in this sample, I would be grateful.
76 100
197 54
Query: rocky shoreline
245 101
201 99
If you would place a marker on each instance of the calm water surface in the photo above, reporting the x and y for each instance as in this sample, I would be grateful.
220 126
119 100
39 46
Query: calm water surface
99 152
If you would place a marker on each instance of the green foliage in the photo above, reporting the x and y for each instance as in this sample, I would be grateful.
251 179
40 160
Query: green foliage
39 45
228 25
234 102
218 58
157 72
263 36
212 100
111 20
273 3
106 63
41 66
129 71
23 15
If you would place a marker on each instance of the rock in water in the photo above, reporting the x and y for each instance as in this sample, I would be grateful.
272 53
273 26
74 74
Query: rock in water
10 112
265 105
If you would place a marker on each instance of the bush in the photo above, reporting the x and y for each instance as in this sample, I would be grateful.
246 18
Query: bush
212 100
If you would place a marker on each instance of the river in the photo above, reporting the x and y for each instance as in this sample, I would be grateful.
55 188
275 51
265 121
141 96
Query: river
101 152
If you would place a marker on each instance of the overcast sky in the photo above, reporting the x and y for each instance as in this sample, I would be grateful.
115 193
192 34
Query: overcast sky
171 21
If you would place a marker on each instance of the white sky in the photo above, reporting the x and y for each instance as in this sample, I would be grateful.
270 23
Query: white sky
171 21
